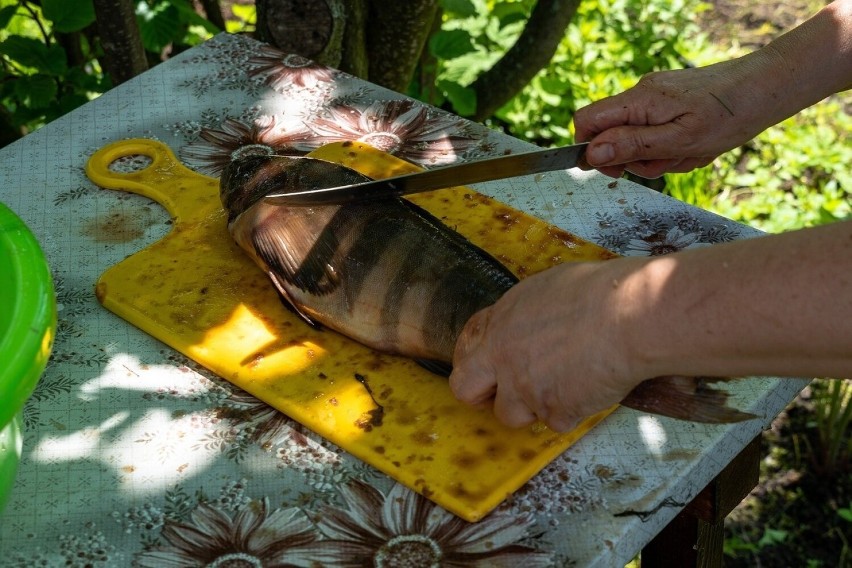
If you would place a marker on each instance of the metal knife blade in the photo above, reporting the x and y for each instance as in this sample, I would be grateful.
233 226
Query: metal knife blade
508 166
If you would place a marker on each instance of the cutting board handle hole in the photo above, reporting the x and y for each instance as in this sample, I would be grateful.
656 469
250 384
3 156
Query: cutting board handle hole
130 163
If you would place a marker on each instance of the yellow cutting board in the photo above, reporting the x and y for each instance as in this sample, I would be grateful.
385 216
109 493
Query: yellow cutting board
198 292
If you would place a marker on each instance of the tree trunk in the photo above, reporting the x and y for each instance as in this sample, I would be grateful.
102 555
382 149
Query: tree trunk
530 54
396 35
376 40
310 28
382 41
428 66
124 56
213 11
354 59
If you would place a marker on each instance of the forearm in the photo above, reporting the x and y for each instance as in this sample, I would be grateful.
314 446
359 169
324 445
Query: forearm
777 305
799 68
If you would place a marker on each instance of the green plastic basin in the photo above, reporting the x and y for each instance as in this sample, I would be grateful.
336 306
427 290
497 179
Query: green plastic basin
27 326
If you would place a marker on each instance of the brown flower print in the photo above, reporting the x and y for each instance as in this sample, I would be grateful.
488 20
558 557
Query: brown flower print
268 427
667 242
252 537
281 69
217 147
403 128
402 528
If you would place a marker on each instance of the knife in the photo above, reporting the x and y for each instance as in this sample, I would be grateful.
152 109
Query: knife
488 169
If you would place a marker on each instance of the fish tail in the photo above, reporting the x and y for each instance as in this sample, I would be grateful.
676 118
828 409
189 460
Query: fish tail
685 398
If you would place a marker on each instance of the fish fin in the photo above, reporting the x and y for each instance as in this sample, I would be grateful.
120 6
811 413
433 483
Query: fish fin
313 274
291 305
685 398
435 366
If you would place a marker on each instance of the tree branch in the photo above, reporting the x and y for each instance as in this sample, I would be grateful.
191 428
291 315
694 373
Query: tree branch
124 56
531 53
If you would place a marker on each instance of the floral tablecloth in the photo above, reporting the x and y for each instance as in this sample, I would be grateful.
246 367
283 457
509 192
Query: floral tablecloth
135 455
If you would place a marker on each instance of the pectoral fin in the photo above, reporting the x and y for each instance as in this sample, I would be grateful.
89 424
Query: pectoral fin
296 255
290 304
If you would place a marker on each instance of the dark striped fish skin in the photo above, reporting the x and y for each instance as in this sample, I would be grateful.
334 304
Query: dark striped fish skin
391 276
386 273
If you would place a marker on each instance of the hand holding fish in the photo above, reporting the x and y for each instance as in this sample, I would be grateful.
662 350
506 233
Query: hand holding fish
575 339
675 121
542 352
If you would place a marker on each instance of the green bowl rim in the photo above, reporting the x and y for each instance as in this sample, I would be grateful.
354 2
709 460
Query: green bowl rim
26 343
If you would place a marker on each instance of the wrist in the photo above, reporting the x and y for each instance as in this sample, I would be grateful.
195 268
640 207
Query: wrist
757 92
642 320
806 64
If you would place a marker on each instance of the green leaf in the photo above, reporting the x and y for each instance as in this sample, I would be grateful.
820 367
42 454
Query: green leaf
24 50
510 13
463 98
190 16
32 53
246 13
771 537
39 90
846 514
158 26
69 15
6 15
71 101
450 44
81 81
460 8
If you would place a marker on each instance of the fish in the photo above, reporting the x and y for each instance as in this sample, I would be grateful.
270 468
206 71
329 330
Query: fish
390 275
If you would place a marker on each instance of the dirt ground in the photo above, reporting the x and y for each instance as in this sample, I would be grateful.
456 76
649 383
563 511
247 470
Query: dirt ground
754 23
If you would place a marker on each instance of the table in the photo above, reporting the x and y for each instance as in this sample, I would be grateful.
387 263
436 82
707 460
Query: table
135 454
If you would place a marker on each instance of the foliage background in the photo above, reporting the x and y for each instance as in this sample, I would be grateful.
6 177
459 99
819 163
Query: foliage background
794 175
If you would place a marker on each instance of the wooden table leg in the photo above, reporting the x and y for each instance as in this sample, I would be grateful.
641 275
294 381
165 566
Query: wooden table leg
695 537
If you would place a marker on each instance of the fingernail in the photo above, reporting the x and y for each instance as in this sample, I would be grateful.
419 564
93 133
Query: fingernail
600 154
563 425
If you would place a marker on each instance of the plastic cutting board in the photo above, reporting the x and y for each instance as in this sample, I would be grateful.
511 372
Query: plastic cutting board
196 291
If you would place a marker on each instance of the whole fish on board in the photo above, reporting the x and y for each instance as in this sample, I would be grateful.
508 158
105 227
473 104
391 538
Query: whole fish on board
390 275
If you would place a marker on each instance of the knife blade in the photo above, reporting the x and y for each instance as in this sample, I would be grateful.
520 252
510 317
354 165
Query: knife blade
488 169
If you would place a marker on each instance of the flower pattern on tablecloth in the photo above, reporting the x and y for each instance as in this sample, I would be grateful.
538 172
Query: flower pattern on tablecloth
218 146
402 528
399 528
253 535
640 232
280 69
403 128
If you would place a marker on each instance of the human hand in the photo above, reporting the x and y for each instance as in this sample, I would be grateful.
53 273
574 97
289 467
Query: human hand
552 348
673 121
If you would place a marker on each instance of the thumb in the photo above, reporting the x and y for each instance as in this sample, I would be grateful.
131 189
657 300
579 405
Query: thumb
626 144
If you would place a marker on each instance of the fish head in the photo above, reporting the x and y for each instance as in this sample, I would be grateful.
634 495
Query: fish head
256 171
